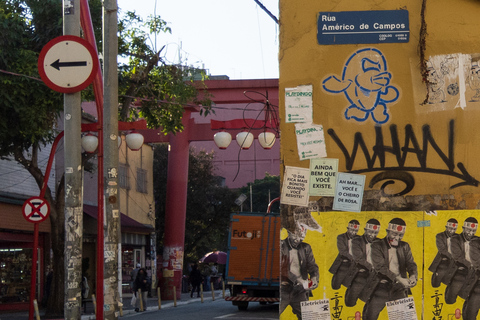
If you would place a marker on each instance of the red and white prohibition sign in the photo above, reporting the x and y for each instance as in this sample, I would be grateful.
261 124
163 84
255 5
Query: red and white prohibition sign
36 209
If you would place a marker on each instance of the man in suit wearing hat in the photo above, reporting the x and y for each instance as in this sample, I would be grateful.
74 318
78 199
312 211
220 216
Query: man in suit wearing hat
362 255
344 260
443 261
463 259
299 272
397 271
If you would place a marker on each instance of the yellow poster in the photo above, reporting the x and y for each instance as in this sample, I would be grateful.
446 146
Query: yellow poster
361 261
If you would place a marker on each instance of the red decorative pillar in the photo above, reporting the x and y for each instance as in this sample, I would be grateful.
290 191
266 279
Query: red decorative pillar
176 209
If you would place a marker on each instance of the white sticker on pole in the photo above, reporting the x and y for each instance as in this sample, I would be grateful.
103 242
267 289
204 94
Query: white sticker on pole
349 192
295 186
298 104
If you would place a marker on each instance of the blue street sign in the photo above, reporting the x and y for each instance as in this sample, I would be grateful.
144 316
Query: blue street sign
355 27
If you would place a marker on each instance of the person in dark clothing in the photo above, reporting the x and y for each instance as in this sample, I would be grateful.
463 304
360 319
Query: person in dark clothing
396 269
299 274
142 282
443 262
362 255
195 280
462 256
344 260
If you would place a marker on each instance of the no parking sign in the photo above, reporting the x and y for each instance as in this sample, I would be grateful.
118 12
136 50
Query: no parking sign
36 209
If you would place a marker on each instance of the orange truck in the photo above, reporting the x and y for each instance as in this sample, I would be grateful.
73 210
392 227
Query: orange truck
253 261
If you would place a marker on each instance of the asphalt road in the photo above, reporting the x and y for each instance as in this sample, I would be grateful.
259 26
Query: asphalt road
218 309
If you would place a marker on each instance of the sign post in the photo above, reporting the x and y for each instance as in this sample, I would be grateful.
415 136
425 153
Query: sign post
35 210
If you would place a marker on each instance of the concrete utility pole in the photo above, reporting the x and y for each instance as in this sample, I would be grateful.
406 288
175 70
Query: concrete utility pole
73 180
110 135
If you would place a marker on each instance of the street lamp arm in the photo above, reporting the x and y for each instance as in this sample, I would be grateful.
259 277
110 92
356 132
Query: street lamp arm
49 165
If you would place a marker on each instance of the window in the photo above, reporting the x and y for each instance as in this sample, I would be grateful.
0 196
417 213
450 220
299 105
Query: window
142 180
123 181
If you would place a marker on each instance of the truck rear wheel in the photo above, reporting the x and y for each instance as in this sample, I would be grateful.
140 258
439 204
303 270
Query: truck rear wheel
242 306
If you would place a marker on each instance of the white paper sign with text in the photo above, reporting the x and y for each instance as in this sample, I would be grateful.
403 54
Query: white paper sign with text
315 310
298 104
310 141
323 174
295 186
349 192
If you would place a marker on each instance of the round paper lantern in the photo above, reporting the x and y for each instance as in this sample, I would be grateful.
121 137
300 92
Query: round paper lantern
222 139
266 139
244 139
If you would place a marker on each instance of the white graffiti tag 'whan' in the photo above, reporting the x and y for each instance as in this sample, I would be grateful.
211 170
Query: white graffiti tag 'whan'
365 82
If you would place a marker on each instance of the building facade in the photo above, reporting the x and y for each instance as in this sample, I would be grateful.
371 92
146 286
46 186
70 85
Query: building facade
387 133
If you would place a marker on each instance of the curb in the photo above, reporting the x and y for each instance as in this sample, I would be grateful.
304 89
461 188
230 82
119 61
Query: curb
169 304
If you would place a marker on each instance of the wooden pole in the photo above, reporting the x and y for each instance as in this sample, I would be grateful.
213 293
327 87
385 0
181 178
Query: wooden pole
139 296
213 291
201 292
35 306
159 298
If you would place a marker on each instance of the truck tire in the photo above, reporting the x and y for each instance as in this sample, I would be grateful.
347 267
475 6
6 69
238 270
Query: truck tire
243 306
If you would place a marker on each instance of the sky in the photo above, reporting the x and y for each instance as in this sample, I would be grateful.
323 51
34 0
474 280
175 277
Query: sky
236 38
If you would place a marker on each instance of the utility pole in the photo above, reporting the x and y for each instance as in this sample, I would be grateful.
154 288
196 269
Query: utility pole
73 180
110 135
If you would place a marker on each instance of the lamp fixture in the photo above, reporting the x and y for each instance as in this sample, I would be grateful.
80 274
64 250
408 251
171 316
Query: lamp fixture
244 139
266 139
89 143
222 139
134 140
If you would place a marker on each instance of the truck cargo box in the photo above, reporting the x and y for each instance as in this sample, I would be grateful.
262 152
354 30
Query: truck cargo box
253 262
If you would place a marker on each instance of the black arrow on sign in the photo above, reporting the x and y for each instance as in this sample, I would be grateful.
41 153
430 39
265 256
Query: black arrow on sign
57 64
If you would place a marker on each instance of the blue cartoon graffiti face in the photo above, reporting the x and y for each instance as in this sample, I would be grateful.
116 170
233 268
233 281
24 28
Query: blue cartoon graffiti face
365 82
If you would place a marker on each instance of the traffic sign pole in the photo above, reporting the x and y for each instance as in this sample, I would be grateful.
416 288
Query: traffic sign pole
33 284
36 210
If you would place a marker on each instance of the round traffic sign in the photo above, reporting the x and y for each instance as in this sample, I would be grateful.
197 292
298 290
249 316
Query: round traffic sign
36 209
68 64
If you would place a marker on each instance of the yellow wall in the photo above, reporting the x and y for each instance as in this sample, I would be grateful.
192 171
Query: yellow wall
133 203
452 27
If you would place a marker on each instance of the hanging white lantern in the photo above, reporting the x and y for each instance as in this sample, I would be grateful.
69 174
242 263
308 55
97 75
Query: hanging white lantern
119 141
266 139
89 143
244 139
222 139
134 140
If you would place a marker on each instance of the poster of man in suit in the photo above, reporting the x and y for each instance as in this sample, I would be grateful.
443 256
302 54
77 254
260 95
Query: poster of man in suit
454 289
396 269
348 300
344 263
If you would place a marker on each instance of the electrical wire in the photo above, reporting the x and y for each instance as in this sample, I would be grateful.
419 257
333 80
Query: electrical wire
271 117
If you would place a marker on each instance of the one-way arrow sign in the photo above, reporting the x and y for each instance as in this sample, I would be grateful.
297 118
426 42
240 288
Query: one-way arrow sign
57 64
68 64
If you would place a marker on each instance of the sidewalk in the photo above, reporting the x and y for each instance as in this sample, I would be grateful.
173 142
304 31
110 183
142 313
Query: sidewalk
152 305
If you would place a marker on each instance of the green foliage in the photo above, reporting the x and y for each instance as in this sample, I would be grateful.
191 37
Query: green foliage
208 204
149 88
263 191
28 108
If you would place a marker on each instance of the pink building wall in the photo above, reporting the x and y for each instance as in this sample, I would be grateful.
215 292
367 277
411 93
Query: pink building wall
239 168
